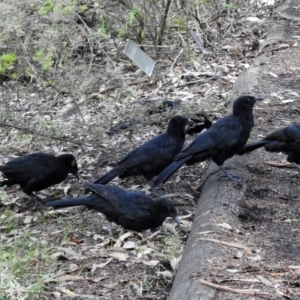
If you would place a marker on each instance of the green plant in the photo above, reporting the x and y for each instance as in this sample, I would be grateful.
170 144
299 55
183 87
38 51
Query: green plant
171 244
46 7
8 220
133 15
102 23
23 137
180 23
7 61
20 258
44 58
84 7
228 6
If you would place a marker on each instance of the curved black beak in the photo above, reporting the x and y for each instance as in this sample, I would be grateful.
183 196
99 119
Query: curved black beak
190 121
76 174
258 98
177 220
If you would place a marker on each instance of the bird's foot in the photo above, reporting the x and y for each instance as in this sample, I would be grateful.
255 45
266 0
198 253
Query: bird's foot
109 228
232 177
38 201
154 191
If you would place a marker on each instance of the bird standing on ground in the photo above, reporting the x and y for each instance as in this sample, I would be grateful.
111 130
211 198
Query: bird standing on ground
153 156
220 142
285 140
130 209
37 171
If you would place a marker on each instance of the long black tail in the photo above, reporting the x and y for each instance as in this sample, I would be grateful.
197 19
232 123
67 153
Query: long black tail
108 176
6 182
71 202
169 171
253 146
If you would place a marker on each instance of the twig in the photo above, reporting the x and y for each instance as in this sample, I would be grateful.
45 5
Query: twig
162 24
279 165
197 41
175 60
27 130
232 290
198 81
235 245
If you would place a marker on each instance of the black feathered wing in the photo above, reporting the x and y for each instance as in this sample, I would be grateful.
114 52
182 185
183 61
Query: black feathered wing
158 150
134 205
34 168
225 133
161 147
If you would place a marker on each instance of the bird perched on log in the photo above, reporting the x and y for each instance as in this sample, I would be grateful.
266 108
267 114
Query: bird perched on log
153 156
37 171
220 142
131 209
285 140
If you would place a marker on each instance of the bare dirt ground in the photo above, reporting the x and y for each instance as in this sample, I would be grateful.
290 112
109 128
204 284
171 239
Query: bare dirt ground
269 216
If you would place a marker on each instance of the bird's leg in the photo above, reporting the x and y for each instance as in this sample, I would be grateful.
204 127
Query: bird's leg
109 228
37 200
232 177
154 191
297 166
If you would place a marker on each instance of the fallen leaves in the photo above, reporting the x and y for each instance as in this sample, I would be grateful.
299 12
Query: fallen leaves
102 265
119 256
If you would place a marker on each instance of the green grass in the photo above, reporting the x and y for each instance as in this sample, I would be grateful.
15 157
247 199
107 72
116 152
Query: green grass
22 260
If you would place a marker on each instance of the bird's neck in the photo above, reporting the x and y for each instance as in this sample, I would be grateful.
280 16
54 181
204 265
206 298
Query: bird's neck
176 133
245 115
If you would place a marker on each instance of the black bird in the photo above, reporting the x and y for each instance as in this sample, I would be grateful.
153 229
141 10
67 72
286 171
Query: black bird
153 156
285 140
130 209
197 128
37 171
220 142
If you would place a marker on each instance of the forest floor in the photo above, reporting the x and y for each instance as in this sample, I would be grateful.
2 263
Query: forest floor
69 254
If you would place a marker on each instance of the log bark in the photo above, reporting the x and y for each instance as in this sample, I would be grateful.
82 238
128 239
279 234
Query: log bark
218 202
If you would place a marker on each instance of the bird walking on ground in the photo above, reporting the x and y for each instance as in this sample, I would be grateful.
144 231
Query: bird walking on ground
153 156
220 142
285 140
131 209
37 171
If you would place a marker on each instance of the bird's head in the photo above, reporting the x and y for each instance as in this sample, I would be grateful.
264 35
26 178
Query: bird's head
244 104
70 162
169 209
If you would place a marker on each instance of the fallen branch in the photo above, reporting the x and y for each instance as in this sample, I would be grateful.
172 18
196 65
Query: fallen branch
175 60
279 165
29 131
232 290
197 41
235 245
198 81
